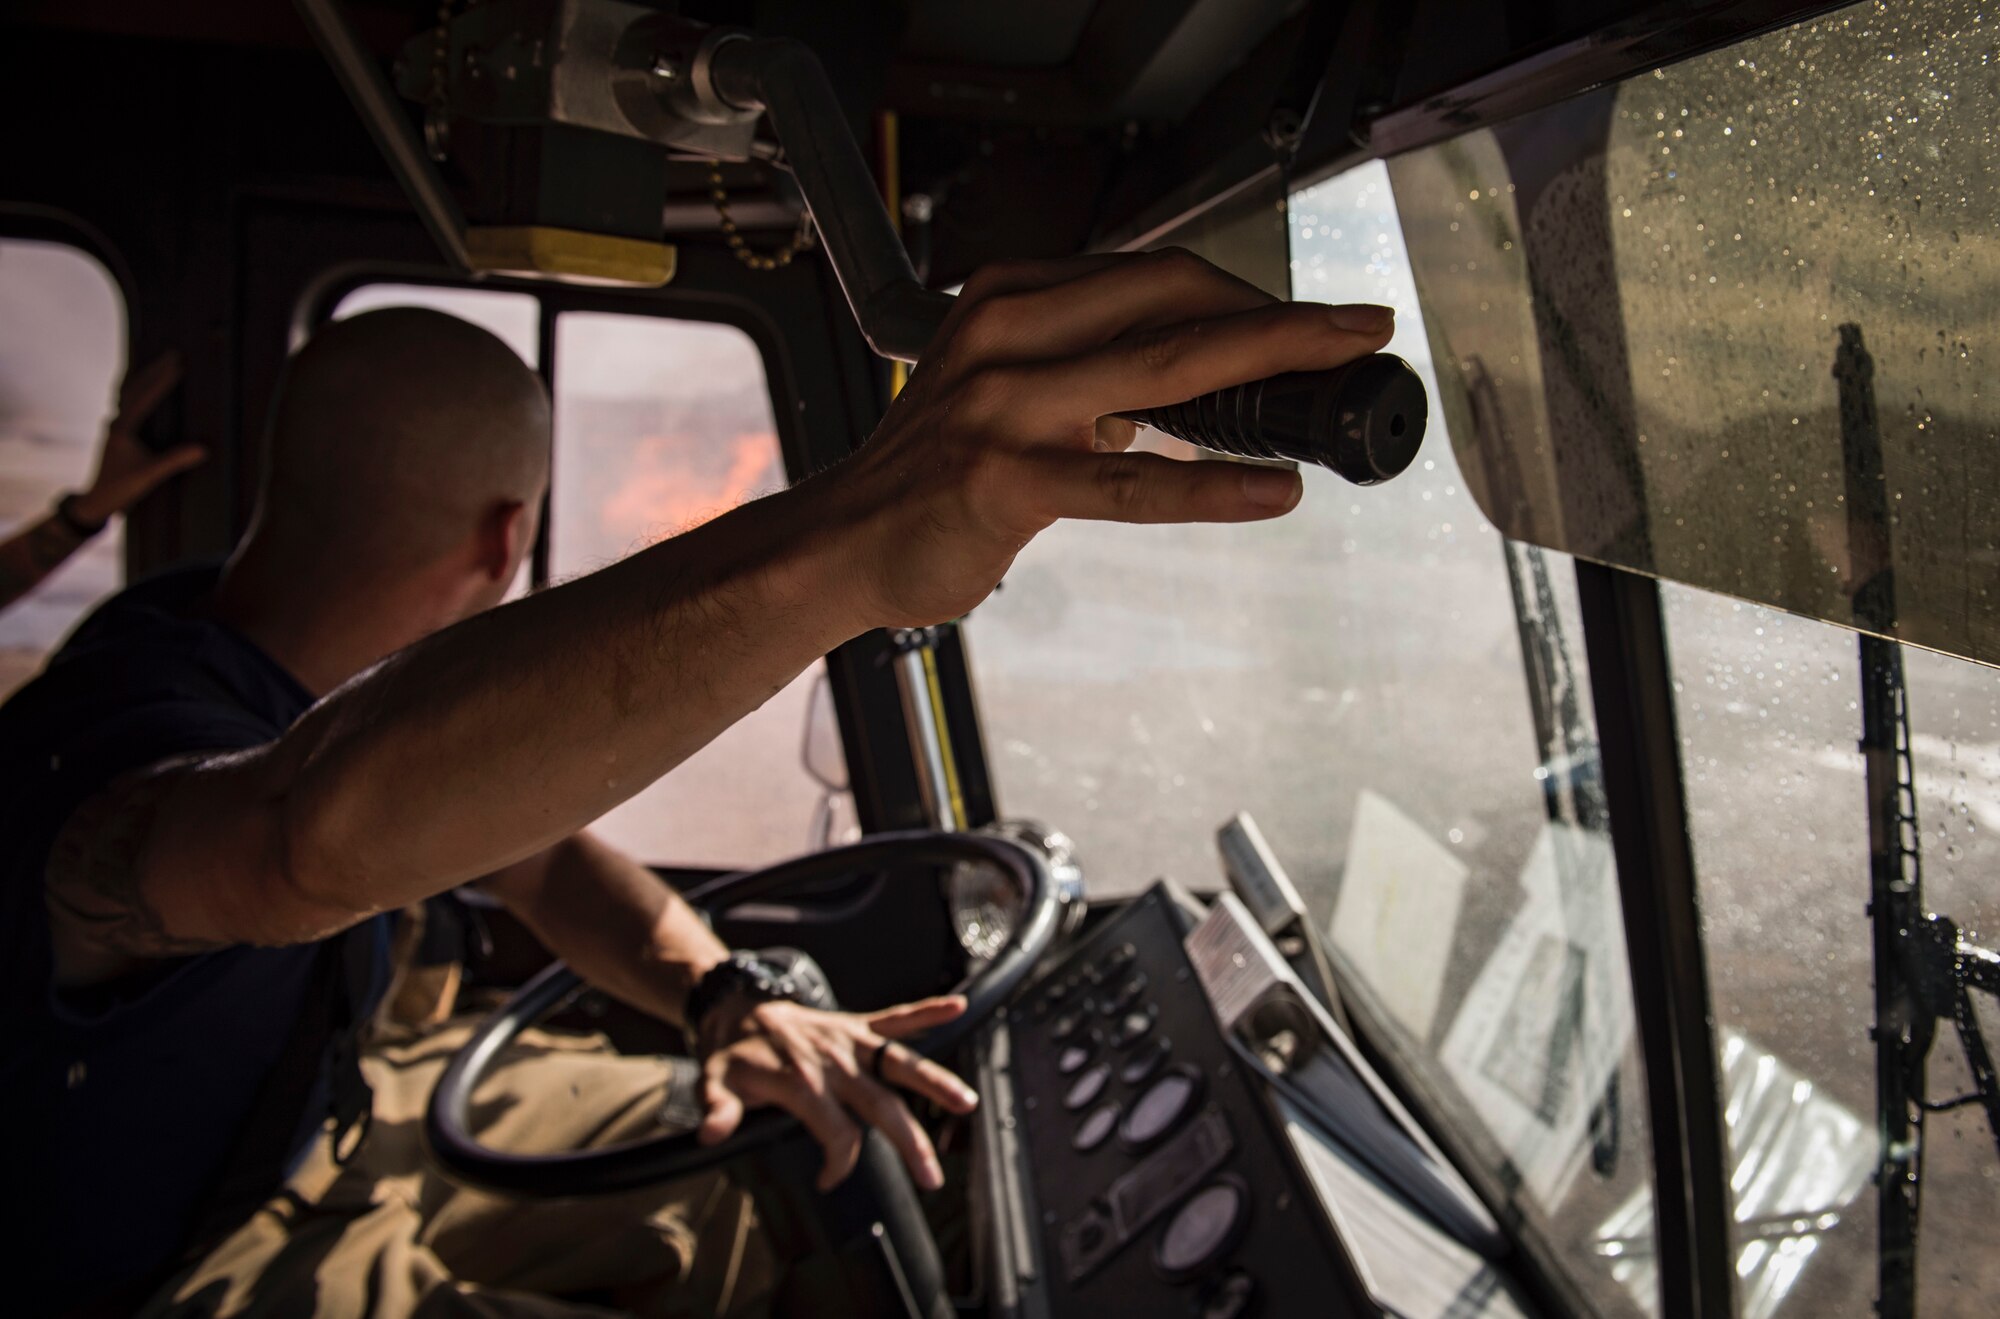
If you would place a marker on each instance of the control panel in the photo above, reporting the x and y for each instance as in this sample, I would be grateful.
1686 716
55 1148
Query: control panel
1162 1182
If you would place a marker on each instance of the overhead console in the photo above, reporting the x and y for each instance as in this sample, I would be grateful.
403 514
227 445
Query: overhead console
1175 1127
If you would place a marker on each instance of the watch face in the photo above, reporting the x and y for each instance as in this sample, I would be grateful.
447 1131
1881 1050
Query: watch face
758 978
753 978
808 983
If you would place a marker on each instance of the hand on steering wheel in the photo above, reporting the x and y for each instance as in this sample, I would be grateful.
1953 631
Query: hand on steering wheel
828 1069
762 1066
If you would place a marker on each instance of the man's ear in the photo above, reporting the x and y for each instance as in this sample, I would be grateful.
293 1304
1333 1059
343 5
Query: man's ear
498 544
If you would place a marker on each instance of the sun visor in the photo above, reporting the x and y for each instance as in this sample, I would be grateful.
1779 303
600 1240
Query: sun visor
1246 235
1732 322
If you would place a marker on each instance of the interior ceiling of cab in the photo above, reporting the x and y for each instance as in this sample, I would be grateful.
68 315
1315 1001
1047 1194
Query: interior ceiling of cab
1046 126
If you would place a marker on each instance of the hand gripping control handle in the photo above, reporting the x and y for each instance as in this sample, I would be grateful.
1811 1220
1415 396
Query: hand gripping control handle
1363 420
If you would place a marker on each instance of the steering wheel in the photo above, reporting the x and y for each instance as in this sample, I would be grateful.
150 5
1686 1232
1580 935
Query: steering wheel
654 1159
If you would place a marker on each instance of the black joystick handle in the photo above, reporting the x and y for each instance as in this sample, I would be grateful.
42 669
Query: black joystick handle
1363 420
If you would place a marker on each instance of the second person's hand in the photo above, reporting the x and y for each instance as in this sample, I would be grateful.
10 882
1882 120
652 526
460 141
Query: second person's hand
128 471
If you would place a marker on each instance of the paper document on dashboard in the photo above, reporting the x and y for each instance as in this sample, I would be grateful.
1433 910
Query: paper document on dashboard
1407 1262
1394 920
1542 1030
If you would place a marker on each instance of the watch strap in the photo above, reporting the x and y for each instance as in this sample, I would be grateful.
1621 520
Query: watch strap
741 974
759 977
681 1108
73 523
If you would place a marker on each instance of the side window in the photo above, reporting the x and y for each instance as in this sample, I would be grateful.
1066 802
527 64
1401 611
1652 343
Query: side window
62 350
1778 812
515 318
660 426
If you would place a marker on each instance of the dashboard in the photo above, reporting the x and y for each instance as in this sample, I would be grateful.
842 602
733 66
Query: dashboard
1176 1126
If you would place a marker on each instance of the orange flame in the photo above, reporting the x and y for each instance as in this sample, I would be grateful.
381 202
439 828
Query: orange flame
665 491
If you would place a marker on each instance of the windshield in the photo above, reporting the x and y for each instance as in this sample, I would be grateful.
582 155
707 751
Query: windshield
1395 694
1729 322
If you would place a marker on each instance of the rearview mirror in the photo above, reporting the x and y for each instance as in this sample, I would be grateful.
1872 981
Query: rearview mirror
822 753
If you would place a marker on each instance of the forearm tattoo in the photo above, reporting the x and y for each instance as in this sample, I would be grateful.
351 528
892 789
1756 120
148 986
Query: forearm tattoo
92 880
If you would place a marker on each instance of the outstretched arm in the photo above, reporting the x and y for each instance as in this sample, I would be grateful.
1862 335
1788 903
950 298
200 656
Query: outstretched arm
127 471
496 738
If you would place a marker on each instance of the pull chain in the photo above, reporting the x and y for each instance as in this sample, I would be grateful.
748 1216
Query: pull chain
755 260
437 122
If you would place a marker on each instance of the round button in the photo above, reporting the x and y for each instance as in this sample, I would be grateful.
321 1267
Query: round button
1203 1230
1058 990
1159 1109
1119 1000
1234 1296
1134 1027
1066 1026
1092 1131
1119 958
1146 1060
1073 1058
1086 1088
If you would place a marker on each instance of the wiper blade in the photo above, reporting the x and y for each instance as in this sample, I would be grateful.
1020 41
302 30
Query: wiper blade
1924 971
1946 969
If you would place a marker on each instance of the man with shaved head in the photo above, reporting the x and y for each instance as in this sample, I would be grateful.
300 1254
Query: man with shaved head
227 779
403 478
394 432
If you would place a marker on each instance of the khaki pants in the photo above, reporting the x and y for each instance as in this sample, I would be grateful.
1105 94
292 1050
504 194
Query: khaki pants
386 1235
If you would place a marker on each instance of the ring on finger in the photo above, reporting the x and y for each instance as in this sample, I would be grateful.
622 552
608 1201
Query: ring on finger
881 1059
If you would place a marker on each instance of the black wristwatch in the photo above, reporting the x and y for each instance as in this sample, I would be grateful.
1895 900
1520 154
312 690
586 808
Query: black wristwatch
65 511
758 977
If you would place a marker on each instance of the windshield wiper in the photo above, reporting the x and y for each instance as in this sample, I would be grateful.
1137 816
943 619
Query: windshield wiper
1945 970
1924 971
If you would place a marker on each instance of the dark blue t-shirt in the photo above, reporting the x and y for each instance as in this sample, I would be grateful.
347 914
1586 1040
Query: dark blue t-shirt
123 1103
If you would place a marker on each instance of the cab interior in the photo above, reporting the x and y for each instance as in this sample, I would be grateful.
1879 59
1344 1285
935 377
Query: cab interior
1605 809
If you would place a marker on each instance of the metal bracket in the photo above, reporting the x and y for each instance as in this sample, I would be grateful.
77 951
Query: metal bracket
621 68
361 78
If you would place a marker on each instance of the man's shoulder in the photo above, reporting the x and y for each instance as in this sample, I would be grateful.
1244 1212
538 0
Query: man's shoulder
144 648
140 681
154 619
